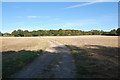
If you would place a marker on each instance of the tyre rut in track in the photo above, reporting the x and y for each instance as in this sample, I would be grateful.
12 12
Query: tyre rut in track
56 62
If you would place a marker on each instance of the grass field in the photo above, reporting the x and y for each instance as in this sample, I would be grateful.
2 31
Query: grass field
95 56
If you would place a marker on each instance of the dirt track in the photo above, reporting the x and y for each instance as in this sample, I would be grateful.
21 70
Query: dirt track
57 62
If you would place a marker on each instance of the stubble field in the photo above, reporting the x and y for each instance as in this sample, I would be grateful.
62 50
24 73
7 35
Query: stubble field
95 56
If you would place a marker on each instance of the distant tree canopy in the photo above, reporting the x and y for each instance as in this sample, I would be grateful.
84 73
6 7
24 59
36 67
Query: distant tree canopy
118 31
1 34
60 32
18 33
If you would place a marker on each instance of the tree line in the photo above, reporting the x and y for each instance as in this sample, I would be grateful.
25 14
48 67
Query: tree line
60 32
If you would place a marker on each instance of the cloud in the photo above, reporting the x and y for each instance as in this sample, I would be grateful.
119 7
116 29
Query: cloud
85 4
38 16
33 16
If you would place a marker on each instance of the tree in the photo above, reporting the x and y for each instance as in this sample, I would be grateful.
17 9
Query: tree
35 33
118 31
61 32
15 33
113 32
27 33
60 29
95 32
18 33
1 34
6 34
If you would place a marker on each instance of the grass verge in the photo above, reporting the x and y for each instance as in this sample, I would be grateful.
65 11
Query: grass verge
14 61
87 66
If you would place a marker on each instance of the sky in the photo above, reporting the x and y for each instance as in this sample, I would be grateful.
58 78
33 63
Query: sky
58 0
55 15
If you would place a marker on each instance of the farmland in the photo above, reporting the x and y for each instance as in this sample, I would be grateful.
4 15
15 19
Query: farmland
23 43
94 56
70 39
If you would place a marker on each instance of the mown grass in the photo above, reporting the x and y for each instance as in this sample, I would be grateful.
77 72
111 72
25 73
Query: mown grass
14 61
87 66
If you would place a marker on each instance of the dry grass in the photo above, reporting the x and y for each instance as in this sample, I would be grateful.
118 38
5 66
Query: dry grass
80 41
23 43
17 52
35 43
96 63
95 56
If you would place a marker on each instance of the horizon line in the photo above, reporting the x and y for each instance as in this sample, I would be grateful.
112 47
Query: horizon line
59 29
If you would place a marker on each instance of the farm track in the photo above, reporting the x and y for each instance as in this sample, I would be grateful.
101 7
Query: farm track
56 62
